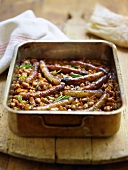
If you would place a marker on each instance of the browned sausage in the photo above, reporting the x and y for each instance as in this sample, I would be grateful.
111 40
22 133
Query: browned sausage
43 93
79 80
47 74
65 69
97 84
55 104
89 66
33 73
99 104
83 93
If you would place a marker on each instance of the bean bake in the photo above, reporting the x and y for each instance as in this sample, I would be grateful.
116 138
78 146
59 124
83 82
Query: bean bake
71 85
65 85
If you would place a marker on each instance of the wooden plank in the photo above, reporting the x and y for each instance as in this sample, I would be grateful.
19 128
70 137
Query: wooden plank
9 9
21 164
23 147
3 116
4 159
71 17
73 151
103 150
40 149
115 148
111 149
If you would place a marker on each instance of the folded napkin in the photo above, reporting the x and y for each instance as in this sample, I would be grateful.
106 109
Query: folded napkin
25 26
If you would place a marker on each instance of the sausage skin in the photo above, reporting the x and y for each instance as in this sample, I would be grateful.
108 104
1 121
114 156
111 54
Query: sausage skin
43 93
65 69
79 80
33 73
99 104
47 74
97 84
55 104
89 66
84 93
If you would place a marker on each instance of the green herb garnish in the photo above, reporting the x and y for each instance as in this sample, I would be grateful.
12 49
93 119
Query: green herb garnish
56 72
74 66
19 97
27 65
62 98
37 86
22 77
76 75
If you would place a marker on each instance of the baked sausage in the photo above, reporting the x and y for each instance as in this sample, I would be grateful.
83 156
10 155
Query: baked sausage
47 74
100 103
43 93
89 66
55 104
97 84
79 80
33 73
65 69
84 93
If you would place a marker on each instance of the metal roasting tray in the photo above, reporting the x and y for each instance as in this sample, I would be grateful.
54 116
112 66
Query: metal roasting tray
36 123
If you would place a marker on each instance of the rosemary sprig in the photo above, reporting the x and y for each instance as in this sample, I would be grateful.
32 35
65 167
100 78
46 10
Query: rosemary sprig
62 98
27 65
76 75
56 72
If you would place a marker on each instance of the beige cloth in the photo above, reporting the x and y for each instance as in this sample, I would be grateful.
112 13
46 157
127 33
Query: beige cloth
109 26
23 27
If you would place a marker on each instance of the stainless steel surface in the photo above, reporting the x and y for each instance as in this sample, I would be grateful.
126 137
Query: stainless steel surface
78 123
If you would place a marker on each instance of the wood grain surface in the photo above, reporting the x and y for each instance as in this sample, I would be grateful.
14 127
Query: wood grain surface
64 153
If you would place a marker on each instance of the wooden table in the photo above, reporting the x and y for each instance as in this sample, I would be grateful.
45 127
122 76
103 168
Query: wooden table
70 17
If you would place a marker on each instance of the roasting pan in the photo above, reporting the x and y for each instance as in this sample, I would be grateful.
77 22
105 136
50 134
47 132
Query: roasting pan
35 123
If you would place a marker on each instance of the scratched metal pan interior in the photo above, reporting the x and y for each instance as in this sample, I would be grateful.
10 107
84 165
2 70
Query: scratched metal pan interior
65 122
